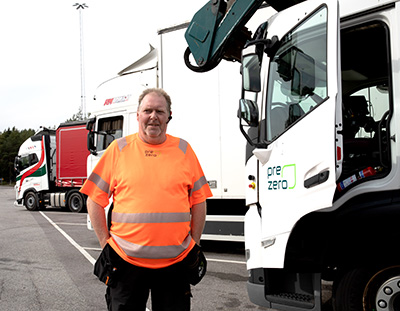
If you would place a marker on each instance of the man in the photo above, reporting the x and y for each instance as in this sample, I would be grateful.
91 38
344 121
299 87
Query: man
159 193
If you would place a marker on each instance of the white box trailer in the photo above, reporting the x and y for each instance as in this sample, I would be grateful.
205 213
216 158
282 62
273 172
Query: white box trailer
202 109
202 106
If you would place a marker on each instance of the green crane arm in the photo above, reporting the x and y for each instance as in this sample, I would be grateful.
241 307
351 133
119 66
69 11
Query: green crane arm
217 31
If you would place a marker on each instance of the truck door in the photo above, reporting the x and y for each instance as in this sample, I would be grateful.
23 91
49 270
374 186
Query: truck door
302 119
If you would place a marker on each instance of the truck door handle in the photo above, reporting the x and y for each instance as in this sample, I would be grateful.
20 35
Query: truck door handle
316 179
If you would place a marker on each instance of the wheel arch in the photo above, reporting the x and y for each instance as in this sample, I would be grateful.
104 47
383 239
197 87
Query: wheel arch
37 199
26 191
364 230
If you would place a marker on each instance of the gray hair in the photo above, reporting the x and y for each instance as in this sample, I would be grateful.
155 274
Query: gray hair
159 92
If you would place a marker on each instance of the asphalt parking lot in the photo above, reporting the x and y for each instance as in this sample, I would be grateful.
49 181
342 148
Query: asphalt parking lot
47 258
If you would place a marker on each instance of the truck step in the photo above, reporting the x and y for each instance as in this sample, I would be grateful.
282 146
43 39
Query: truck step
293 299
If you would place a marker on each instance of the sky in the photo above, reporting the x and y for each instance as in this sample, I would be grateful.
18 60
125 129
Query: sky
40 66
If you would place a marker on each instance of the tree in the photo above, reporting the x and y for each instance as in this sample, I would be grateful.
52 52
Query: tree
77 117
10 141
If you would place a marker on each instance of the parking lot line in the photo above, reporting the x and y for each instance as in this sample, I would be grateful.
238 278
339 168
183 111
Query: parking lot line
92 260
70 224
72 241
226 261
92 248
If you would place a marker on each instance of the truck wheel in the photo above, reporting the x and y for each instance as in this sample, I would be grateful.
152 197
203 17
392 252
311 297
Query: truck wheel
31 201
76 203
368 289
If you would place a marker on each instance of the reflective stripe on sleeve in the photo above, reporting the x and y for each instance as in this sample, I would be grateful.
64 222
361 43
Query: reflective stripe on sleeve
183 145
100 183
134 218
197 185
152 252
121 143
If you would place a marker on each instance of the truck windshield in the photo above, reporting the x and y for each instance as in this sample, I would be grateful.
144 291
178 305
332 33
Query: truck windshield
25 161
297 80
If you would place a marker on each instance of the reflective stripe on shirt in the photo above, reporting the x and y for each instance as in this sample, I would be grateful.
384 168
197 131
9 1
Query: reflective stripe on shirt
197 185
152 252
135 218
183 145
100 183
122 143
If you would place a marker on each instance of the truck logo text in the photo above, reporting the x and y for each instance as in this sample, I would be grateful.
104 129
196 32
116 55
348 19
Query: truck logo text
116 100
277 180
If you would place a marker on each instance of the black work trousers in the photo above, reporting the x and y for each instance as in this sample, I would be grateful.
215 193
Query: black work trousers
168 286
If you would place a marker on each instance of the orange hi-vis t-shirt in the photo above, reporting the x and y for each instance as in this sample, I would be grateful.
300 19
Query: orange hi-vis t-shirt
153 189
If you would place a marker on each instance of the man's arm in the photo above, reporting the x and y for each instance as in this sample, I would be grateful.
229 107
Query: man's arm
198 220
98 220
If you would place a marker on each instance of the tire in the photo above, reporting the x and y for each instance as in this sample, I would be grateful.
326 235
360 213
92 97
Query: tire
366 289
383 291
31 201
76 202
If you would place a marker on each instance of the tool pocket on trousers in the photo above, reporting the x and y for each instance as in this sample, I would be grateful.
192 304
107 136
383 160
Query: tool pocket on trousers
104 269
196 265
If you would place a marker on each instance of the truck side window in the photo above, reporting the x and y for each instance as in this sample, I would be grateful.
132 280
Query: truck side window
293 93
33 159
110 129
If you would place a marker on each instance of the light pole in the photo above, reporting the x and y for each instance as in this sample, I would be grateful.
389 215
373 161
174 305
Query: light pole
81 7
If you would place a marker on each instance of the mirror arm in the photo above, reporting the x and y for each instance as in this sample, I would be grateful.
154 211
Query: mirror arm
245 135
261 145
271 46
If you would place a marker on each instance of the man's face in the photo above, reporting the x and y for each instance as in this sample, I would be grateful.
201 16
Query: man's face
152 117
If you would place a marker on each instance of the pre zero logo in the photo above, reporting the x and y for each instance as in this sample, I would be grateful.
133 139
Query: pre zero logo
281 177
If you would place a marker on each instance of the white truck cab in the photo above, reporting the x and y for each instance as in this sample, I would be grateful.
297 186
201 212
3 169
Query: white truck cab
318 108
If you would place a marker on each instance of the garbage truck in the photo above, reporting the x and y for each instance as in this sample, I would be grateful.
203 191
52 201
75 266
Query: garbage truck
51 168
319 109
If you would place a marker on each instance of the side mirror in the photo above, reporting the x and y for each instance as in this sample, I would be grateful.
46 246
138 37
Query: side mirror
90 143
251 68
248 111
303 82
17 165
298 68
90 123
90 137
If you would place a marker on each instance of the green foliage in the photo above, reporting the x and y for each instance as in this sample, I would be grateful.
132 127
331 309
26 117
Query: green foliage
10 141
77 117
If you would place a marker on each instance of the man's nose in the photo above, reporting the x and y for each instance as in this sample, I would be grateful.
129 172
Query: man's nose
153 115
